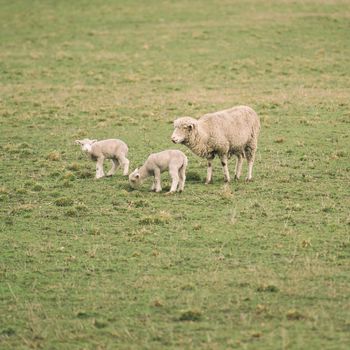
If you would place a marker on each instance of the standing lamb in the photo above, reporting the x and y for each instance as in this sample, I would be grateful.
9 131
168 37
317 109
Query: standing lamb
113 149
233 131
173 160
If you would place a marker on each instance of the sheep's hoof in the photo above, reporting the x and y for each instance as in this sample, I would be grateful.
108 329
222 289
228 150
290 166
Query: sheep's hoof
209 182
236 178
99 177
248 179
227 181
109 175
169 193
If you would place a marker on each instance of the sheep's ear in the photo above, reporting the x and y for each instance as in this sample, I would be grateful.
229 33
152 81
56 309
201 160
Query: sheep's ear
78 142
93 141
137 176
190 127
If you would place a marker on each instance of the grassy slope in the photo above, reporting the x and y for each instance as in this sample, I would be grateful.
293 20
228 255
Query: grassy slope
89 264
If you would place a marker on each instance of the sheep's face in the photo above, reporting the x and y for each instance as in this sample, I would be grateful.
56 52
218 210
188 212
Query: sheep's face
134 179
85 144
184 127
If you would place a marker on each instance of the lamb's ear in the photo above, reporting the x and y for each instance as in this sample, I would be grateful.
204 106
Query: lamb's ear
93 141
137 176
78 142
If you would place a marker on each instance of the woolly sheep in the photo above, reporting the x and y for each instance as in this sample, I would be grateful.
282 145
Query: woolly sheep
225 133
173 160
113 149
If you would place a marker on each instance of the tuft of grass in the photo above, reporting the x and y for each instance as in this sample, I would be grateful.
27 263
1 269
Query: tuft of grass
270 288
4 190
84 174
64 202
161 218
54 156
193 176
191 315
74 166
38 188
280 140
69 176
294 314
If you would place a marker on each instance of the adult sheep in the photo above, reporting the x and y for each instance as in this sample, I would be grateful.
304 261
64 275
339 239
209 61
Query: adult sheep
233 131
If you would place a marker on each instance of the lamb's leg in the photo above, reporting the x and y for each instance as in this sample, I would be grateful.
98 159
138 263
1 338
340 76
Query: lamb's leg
115 166
174 174
153 187
158 187
239 164
224 161
99 168
182 176
209 178
125 164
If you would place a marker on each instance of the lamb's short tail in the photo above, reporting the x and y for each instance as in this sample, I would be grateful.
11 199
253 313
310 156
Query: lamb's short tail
182 170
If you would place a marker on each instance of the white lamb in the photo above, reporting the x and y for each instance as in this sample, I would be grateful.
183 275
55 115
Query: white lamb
229 132
113 149
173 160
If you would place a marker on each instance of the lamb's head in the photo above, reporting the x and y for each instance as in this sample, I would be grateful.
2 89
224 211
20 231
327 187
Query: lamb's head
85 144
184 129
135 178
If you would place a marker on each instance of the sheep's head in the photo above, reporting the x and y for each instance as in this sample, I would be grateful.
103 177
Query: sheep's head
184 127
85 144
135 178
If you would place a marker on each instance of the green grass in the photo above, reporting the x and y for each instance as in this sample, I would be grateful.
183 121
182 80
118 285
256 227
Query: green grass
89 264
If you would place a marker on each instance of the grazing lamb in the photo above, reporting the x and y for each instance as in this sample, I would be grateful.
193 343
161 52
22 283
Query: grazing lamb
225 133
113 149
157 163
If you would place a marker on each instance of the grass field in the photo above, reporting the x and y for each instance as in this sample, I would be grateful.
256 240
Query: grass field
88 264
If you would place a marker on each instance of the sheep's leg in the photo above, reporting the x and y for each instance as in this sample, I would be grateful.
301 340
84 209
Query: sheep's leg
250 160
157 183
182 176
224 161
174 174
239 164
99 168
115 166
209 178
125 164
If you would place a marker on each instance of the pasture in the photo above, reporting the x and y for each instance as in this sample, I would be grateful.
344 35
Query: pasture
91 264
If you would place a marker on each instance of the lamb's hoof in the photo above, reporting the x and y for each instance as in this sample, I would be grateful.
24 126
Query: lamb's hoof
109 175
227 181
236 178
169 193
99 177
248 179
209 182
158 191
